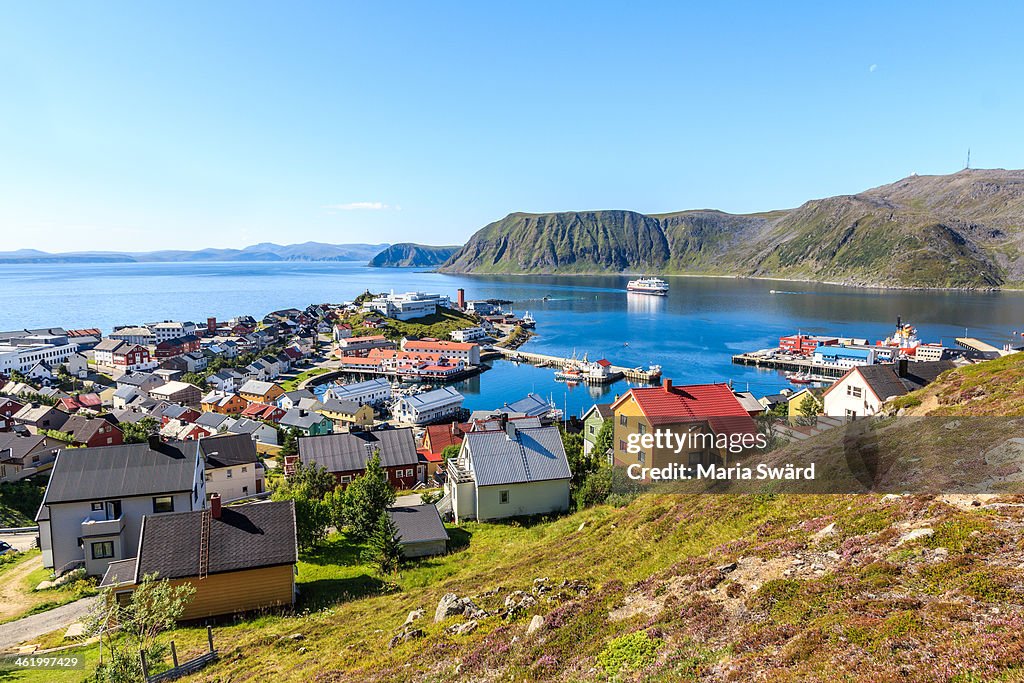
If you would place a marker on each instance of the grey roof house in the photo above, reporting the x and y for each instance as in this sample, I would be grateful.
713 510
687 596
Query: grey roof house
92 510
420 530
509 473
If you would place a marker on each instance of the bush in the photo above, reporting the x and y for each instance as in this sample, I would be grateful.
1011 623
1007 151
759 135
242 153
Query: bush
628 653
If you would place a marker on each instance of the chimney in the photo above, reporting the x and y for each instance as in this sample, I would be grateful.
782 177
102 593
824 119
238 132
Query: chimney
510 429
461 298
666 384
503 421
154 442
902 369
303 412
211 325
215 505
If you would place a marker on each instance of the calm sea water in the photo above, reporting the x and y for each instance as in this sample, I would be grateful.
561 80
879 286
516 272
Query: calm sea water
692 333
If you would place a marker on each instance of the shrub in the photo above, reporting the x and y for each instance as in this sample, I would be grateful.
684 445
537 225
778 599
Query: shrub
628 653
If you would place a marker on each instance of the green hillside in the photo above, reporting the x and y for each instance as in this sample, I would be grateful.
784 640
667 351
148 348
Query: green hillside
409 255
958 231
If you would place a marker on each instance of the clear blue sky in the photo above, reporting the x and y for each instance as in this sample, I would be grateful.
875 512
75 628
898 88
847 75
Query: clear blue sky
131 126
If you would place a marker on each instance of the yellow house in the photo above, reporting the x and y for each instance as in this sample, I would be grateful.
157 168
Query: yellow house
347 413
256 391
239 558
796 399
702 410
223 403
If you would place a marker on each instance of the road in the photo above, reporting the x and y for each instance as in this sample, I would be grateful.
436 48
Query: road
36 625
20 542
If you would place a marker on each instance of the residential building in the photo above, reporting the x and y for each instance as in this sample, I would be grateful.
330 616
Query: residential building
226 380
263 411
238 559
451 350
360 346
92 432
260 392
142 336
177 346
291 399
40 416
96 498
171 329
216 423
470 334
255 430
23 455
443 403
435 439
143 381
307 422
233 468
593 420
509 473
421 532
77 365
181 393
531 405
795 401
710 410
8 409
222 402
347 413
864 389
345 455
40 373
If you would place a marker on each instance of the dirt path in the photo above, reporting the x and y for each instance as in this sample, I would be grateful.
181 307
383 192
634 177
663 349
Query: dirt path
13 598
40 624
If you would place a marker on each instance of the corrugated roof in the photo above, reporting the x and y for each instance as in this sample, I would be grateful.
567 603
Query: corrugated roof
351 451
120 471
418 523
534 454
712 403
245 537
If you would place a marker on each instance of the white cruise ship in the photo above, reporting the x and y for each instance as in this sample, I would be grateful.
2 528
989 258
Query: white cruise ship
648 285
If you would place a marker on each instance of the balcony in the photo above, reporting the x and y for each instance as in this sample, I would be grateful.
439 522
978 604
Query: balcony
458 474
101 526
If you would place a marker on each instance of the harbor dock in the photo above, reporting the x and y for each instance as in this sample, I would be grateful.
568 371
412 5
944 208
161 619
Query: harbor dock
799 365
615 372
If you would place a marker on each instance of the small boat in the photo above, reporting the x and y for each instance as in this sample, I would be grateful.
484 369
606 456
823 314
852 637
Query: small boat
798 378
648 285
527 321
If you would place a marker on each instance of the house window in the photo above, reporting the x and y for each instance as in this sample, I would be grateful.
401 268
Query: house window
856 392
345 479
163 504
245 490
97 507
641 457
229 474
851 413
591 429
209 477
408 472
102 550
641 428
503 497
244 470
622 445
623 420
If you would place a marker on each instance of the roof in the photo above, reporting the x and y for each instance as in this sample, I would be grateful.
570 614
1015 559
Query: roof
137 379
255 386
885 382
173 387
351 451
434 397
428 344
603 410
334 405
82 428
442 436
517 456
712 403
120 572
244 537
16 445
301 418
120 471
531 404
228 450
109 344
212 420
418 524
247 426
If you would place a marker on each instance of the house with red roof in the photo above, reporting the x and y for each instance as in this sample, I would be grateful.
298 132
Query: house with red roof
263 411
435 439
710 412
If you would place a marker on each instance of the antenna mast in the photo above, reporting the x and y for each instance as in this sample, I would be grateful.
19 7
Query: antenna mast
968 158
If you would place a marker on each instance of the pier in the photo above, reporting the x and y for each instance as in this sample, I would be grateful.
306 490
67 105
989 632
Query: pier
801 365
616 372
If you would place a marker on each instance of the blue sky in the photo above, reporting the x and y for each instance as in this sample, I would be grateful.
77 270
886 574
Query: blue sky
132 126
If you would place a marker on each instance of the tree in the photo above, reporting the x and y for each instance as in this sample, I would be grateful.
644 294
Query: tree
605 439
809 406
595 488
580 464
139 432
310 487
383 546
366 498
450 452
155 606
313 480
290 444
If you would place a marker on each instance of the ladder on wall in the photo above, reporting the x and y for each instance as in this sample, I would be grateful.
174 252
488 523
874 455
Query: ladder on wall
204 545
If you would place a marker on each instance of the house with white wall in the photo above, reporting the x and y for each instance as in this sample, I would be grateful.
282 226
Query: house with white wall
233 468
864 389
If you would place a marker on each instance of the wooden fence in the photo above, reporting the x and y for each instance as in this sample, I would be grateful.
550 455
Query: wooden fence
183 669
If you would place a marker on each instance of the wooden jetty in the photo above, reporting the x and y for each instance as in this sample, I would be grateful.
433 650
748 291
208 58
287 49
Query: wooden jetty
800 365
616 372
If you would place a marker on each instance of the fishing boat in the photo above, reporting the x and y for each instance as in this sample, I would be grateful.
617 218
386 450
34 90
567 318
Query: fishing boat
648 285
527 321
798 378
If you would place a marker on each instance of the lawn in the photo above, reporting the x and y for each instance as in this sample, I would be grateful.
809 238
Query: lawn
293 384
18 580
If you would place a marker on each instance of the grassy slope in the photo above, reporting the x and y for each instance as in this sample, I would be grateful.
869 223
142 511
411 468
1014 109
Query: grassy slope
439 325
877 612
993 388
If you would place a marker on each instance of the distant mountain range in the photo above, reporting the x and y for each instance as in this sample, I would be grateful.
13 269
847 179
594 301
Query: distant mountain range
409 255
964 230
265 251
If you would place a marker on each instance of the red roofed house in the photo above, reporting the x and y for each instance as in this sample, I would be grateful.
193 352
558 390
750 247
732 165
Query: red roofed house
263 411
435 439
708 409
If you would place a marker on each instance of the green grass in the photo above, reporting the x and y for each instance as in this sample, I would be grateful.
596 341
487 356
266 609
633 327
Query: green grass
439 325
293 384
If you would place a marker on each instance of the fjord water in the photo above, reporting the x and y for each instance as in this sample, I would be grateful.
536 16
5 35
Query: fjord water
692 333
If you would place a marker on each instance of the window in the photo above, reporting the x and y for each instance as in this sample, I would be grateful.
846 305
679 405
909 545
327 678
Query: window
623 420
229 474
123 598
96 507
641 428
622 445
244 469
345 479
591 429
856 392
851 413
163 504
408 472
641 457
245 490
503 497
102 550
209 477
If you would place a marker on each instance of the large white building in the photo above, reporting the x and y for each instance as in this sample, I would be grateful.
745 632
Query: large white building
406 306
171 329
374 391
22 350
430 406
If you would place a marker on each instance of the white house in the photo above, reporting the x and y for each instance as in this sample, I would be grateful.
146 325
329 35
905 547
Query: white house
509 472
233 469
406 306
77 365
374 392
429 406
470 334
864 389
